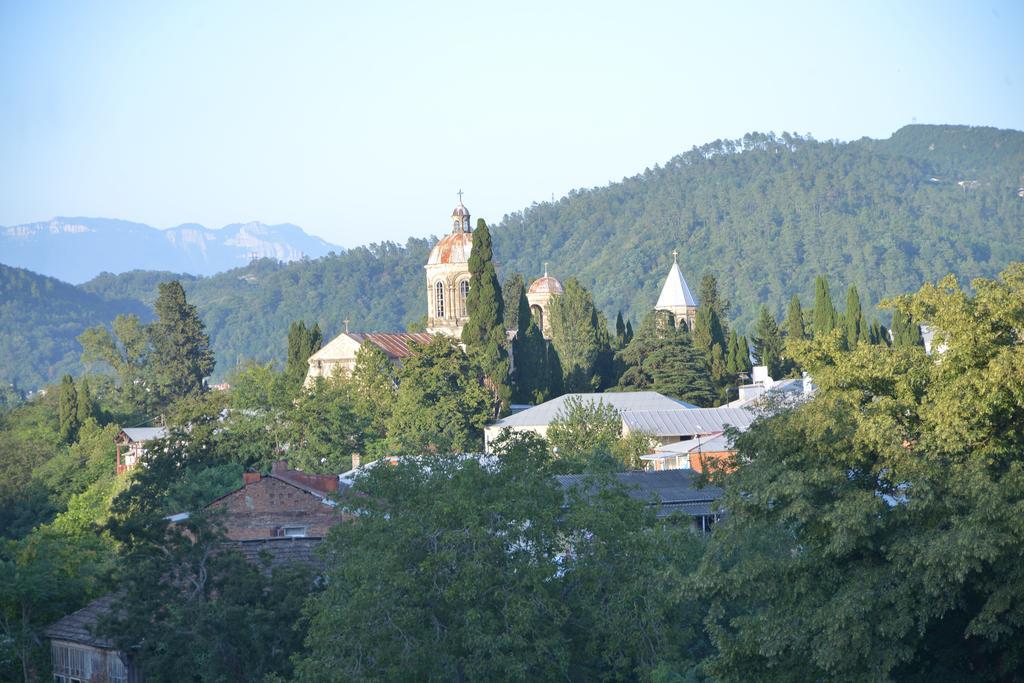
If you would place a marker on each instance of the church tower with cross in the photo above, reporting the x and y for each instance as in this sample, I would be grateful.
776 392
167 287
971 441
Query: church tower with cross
676 297
448 276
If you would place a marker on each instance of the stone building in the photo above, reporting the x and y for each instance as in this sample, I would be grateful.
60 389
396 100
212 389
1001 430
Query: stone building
448 277
676 297
447 287
539 295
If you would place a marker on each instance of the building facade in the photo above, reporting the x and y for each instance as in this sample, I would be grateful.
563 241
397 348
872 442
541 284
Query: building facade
540 294
448 277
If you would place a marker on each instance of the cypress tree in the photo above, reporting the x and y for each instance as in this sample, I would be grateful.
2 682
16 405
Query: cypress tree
768 343
794 324
620 331
530 356
68 407
512 289
709 339
825 316
181 355
484 331
732 355
629 331
303 342
85 401
854 318
744 360
578 337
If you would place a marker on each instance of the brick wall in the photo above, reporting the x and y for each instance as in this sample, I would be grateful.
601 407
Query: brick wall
262 509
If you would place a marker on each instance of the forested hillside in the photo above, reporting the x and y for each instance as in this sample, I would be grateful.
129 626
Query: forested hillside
39 320
766 213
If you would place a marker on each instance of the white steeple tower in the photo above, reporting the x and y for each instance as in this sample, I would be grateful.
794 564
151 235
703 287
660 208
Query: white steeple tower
676 296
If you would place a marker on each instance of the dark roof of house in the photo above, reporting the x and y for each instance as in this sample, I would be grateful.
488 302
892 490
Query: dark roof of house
672 490
77 627
393 344
281 551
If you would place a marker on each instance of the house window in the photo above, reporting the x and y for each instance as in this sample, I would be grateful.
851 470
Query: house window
295 531
439 300
71 663
463 295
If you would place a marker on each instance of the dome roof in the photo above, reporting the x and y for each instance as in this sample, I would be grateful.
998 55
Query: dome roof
546 285
452 248
460 211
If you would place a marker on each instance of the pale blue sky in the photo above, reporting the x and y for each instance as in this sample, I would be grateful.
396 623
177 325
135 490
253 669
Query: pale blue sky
359 121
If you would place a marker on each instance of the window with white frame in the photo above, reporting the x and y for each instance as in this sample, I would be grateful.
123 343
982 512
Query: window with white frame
463 295
295 531
70 662
439 300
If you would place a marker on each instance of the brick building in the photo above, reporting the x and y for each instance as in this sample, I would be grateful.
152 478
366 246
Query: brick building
284 503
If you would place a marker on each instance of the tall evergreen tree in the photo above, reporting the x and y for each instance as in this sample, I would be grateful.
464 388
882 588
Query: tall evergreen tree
86 406
576 337
68 406
709 339
768 345
732 355
303 342
743 362
663 359
530 356
794 324
484 331
629 331
856 329
710 298
905 331
825 316
512 291
620 332
181 355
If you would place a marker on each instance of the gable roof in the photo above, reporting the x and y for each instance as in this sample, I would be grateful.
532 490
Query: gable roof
685 422
144 433
395 345
623 401
675 292
77 627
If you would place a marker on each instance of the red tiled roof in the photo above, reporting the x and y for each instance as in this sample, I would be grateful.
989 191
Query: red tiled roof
394 345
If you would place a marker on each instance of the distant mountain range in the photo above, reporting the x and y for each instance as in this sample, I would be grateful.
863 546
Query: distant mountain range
78 249
766 213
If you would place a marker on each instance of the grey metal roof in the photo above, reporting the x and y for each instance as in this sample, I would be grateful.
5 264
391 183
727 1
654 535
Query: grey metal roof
77 627
144 433
623 401
710 443
674 490
686 422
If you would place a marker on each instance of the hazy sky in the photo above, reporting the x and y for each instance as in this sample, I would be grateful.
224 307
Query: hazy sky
360 121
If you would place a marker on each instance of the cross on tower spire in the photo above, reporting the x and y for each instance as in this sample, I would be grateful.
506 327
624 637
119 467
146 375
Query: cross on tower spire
545 269
346 325
675 256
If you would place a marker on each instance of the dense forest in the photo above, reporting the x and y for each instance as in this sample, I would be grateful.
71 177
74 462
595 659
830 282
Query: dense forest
766 213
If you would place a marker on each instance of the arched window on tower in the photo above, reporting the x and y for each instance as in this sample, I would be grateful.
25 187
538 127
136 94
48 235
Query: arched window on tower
439 300
538 316
463 296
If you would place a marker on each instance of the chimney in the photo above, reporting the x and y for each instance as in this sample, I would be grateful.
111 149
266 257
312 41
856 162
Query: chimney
250 477
279 467
356 460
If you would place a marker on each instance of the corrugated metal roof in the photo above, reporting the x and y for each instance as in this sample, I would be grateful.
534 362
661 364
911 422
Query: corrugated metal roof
674 490
144 433
393 344
686 422
675 292
623 401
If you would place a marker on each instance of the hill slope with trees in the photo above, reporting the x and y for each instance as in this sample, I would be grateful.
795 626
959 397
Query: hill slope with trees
766 213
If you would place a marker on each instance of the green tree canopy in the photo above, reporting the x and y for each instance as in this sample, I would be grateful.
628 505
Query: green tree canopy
181 355
874 528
